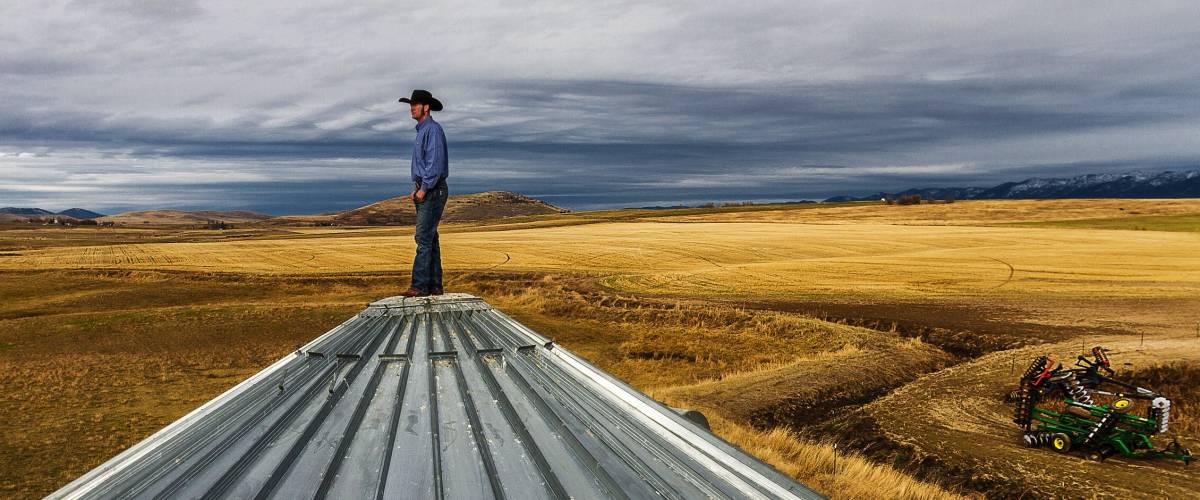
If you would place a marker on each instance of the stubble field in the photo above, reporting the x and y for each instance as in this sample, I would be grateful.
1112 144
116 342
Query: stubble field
792 326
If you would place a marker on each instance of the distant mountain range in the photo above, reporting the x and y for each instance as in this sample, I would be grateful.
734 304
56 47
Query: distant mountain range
1128 185
75 213
392 211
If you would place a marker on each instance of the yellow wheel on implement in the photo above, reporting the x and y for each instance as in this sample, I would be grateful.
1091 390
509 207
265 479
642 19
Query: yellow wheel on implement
1060 442
1122 405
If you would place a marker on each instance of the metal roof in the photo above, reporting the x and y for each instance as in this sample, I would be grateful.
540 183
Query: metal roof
430 398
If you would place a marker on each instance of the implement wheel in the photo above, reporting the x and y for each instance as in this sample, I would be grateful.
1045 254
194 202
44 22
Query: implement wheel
1101 454
1122 405
1060 442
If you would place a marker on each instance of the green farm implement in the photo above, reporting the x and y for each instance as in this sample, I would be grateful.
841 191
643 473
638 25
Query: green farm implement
1083 409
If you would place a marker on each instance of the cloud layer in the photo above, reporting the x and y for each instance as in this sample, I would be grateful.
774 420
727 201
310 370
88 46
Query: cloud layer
292 109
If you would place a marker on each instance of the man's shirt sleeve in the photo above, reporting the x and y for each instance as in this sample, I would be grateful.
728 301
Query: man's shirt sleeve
436 163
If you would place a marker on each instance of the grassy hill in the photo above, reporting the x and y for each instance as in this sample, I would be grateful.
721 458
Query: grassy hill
8 218
182 217
459 208
14 215
80 213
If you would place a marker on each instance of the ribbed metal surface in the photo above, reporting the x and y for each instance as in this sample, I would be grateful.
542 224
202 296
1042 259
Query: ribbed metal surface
439 397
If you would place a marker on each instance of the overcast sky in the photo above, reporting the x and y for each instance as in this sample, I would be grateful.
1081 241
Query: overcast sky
289 108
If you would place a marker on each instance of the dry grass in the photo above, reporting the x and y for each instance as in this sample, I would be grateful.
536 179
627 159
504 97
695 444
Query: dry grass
689 343
834 472
1180 222
118 378
1181 383
93 363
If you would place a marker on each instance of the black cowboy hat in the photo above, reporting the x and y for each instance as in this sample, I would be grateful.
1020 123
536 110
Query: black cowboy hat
424 97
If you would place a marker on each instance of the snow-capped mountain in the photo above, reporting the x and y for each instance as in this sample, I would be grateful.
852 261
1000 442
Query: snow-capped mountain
1136 184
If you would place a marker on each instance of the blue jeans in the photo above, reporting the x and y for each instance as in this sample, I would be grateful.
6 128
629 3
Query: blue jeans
427 265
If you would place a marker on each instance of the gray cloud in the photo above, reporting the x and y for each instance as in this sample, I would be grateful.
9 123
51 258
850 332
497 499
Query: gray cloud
588 104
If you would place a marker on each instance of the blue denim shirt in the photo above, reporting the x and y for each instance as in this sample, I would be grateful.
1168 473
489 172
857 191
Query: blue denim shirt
429 159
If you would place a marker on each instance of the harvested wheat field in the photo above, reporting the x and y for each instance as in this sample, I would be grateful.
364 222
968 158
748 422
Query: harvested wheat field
887 330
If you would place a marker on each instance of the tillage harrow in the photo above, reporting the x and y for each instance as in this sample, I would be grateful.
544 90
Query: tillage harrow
1083 409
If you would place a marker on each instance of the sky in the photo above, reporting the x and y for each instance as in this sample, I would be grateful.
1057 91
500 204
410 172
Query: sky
291 107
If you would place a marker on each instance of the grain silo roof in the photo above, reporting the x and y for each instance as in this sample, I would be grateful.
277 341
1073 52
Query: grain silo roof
439 397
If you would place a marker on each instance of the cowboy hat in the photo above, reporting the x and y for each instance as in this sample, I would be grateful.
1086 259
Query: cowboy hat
423 97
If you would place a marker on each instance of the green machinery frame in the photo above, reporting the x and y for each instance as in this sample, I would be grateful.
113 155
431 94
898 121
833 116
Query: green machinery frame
1104 429
1100 430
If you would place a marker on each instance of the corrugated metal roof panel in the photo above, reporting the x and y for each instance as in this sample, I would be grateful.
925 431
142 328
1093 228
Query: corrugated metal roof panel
431 398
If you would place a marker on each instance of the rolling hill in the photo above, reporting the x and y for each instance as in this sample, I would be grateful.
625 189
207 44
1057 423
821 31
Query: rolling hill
22 214
25 211
169 217
15 215
466 207
80 213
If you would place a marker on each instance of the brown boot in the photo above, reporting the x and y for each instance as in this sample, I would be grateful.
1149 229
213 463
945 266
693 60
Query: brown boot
414 292
436 291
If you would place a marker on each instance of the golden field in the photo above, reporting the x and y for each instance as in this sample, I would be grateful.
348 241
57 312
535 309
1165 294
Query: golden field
758 259
774 320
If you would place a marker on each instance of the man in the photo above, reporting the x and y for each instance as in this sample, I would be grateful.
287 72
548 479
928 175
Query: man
429 171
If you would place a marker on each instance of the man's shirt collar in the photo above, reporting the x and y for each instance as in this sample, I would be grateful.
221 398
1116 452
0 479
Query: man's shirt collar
423 123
